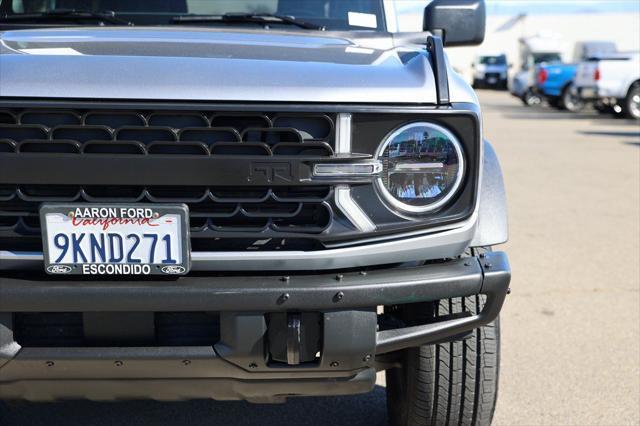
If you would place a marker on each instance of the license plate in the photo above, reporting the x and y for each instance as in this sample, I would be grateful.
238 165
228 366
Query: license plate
115 239
588 93
492 80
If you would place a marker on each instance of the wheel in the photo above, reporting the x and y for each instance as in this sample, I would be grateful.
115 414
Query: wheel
631 107
570 100
531 99
453 383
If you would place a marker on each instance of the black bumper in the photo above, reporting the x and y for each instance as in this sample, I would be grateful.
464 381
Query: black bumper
235 367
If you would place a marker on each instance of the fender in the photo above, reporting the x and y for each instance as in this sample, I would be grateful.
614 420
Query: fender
492 226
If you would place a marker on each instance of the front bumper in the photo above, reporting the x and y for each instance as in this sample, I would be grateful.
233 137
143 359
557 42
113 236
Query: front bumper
236 367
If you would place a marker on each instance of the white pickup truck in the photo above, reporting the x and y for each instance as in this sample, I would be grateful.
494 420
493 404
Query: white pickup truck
612 81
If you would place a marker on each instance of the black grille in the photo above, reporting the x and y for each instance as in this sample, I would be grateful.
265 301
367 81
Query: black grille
207 130
216 212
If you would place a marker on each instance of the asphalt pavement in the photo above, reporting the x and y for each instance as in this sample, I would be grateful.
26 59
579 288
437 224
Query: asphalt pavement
570 328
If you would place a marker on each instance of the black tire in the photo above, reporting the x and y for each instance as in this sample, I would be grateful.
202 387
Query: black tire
570 100
453 383
631 107
531 99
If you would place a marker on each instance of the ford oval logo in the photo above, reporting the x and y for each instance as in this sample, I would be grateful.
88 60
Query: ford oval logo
173 269
59 269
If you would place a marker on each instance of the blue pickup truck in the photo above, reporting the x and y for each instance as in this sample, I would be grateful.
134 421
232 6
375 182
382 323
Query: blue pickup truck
554 81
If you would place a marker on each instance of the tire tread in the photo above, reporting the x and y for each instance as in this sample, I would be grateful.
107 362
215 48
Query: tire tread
452 383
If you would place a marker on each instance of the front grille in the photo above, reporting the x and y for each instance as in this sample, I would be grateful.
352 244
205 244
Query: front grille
231 212
245 170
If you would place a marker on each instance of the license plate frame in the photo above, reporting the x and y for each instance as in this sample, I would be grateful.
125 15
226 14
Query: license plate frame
157 213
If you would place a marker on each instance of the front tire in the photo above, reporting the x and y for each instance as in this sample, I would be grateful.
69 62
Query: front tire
452 383
632 102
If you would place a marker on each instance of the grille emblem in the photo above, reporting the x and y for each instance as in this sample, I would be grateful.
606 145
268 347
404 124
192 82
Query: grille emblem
270 172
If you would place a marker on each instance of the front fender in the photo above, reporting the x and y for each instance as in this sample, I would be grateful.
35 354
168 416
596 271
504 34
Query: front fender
492 226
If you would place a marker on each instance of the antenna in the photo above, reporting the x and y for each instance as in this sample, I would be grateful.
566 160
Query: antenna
436 52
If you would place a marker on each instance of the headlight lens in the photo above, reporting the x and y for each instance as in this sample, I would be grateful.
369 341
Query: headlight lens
423 166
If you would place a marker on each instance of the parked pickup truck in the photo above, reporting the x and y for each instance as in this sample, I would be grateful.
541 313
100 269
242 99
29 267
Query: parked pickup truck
555 80
612 81
247 200
534 51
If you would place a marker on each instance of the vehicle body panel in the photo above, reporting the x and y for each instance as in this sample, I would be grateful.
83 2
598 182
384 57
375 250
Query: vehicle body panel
215 64
520 83
493 221
558 77
616 73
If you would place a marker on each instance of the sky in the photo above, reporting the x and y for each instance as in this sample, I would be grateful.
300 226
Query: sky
534 7
541 7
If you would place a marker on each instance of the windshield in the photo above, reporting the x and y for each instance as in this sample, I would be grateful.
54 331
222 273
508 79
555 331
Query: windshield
493 60
539 58
332 14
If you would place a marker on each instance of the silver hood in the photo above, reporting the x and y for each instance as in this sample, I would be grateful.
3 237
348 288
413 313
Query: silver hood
215 65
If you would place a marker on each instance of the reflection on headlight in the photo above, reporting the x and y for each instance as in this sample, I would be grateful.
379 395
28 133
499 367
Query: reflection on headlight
422 167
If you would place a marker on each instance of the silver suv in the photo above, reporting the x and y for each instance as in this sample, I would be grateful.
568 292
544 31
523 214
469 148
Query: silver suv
247 200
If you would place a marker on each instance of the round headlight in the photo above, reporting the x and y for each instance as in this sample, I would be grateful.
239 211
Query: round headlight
423 166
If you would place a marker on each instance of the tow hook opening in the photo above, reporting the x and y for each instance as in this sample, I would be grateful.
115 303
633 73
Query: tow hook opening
294 338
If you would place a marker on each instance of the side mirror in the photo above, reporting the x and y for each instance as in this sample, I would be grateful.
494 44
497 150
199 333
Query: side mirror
457 22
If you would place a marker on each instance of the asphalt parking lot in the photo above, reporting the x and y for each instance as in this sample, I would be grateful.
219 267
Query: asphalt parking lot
571 327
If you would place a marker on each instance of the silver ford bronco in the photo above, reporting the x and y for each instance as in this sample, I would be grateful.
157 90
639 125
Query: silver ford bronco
247 200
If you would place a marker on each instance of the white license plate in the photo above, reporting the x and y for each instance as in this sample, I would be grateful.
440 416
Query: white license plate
115 239
492 80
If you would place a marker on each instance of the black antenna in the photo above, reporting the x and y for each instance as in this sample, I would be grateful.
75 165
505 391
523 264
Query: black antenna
436 52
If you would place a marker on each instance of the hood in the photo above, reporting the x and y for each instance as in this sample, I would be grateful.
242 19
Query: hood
213 65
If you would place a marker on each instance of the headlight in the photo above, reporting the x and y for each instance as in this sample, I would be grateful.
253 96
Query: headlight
423 166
